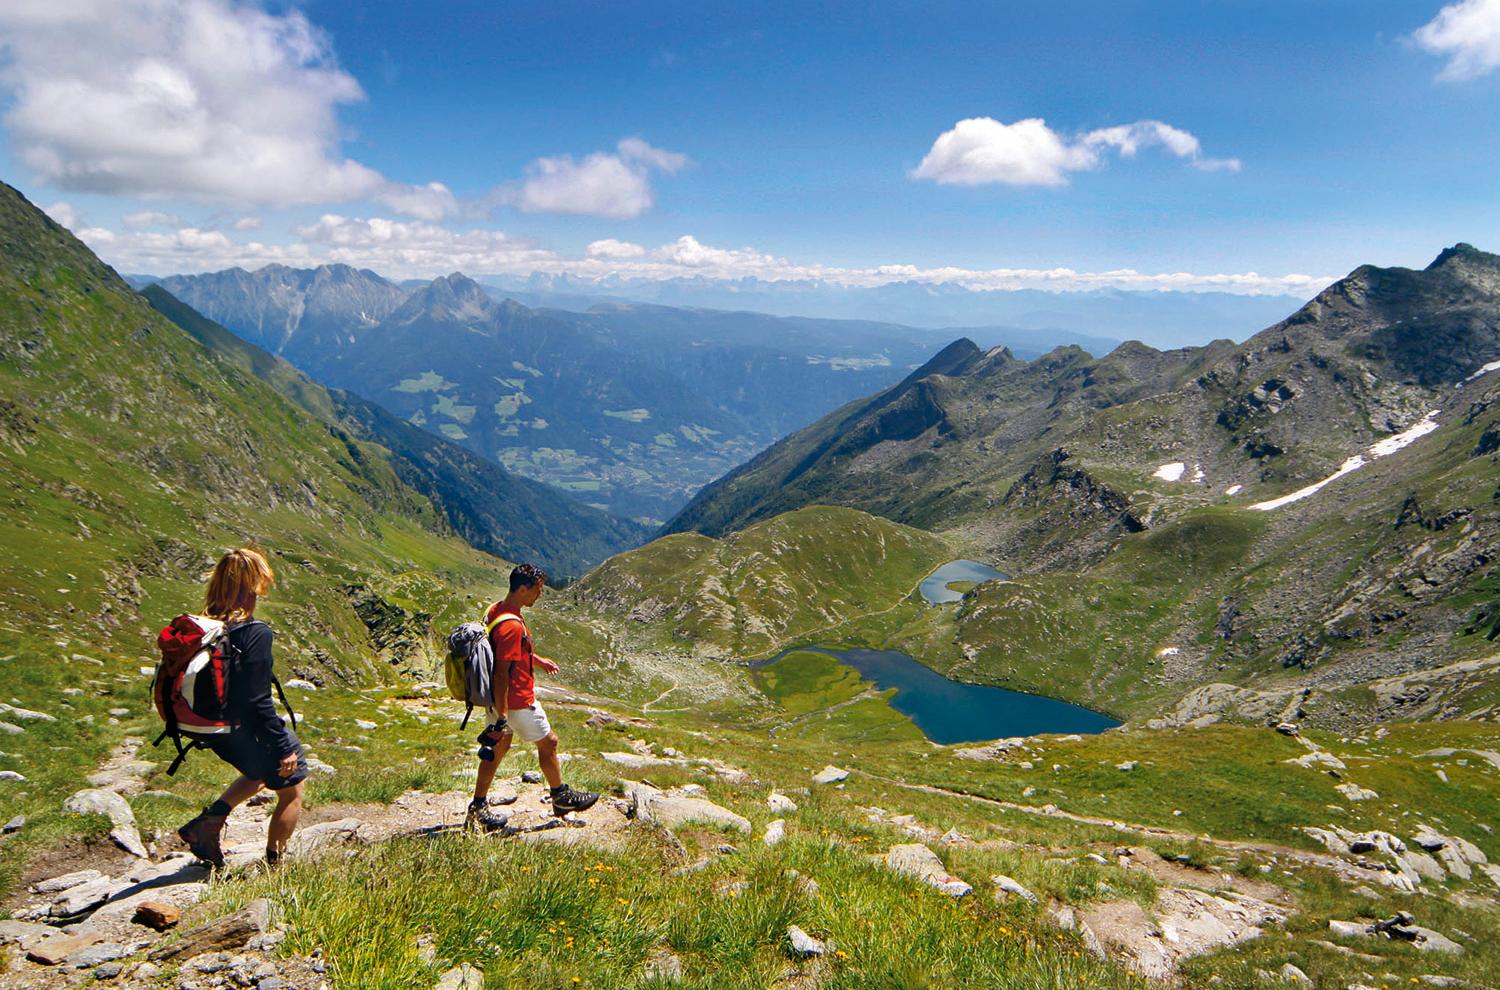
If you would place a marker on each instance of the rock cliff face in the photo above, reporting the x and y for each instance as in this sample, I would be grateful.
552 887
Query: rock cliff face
290 311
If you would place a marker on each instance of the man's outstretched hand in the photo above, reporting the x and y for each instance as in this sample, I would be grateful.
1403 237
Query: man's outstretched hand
549 666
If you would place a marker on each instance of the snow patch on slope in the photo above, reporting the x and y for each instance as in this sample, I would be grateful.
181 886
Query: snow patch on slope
1170 472
1375 451
1486 369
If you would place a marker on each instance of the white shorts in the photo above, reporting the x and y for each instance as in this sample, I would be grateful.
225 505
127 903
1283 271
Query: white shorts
529 723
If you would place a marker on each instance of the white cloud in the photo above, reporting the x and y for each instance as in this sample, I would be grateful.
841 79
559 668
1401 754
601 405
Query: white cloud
611 248
248 223
63 213
419 249
615 186
433 201
150 218
1467 33
1128 139
203 99
983 151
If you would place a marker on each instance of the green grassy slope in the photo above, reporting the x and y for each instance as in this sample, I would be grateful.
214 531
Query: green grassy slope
785 578
132 457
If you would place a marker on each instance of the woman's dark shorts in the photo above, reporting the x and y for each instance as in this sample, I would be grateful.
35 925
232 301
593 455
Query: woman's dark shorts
241 751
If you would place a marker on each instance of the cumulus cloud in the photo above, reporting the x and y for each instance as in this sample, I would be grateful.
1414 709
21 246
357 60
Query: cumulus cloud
1467 33
433 201
206 99
247 223
983 151
615 186
611 248
420 249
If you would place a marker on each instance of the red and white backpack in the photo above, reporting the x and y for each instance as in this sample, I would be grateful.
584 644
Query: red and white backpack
194 683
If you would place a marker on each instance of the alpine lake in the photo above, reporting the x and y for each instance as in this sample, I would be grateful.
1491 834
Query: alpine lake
948 711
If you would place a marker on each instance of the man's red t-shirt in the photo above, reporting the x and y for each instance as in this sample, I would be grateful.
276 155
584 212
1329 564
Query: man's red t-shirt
512 641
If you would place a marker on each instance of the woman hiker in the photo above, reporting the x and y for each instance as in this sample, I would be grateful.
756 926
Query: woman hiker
261 747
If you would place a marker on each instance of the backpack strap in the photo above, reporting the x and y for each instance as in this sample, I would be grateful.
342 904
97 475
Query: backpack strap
499 619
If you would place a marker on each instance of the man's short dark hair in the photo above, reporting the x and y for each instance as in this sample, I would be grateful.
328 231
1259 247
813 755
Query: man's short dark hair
526 575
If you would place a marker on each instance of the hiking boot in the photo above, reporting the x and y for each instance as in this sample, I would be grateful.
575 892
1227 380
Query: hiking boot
201 836
481 819
565 799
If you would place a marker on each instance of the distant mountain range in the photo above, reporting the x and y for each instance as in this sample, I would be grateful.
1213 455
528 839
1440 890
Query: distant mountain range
510 516
631 407
990 317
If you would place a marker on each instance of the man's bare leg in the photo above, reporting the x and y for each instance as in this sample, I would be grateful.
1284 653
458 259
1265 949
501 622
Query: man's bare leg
487 768
546 755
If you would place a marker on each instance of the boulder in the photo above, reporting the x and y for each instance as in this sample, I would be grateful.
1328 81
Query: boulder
157 915
97 801
775 832
301 685
780 802
830 775
1291 974
917 861
14 825
12 776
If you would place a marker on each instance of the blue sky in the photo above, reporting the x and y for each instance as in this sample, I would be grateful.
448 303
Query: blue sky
783 140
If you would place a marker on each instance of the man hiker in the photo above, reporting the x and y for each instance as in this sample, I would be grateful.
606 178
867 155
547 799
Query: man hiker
515 698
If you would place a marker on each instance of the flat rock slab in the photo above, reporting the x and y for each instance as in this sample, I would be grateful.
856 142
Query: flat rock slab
55 885
54 951
461 977
916 860
1183 924
780 802
830 775
672 808
637 761
319 840
24 934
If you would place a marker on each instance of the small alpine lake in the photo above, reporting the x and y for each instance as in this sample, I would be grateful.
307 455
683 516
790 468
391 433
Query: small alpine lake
945 711
935 588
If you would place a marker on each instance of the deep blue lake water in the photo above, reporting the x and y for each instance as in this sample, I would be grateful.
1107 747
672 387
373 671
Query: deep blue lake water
950 712
935 586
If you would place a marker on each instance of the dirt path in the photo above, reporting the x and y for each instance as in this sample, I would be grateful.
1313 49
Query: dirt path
1343 868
